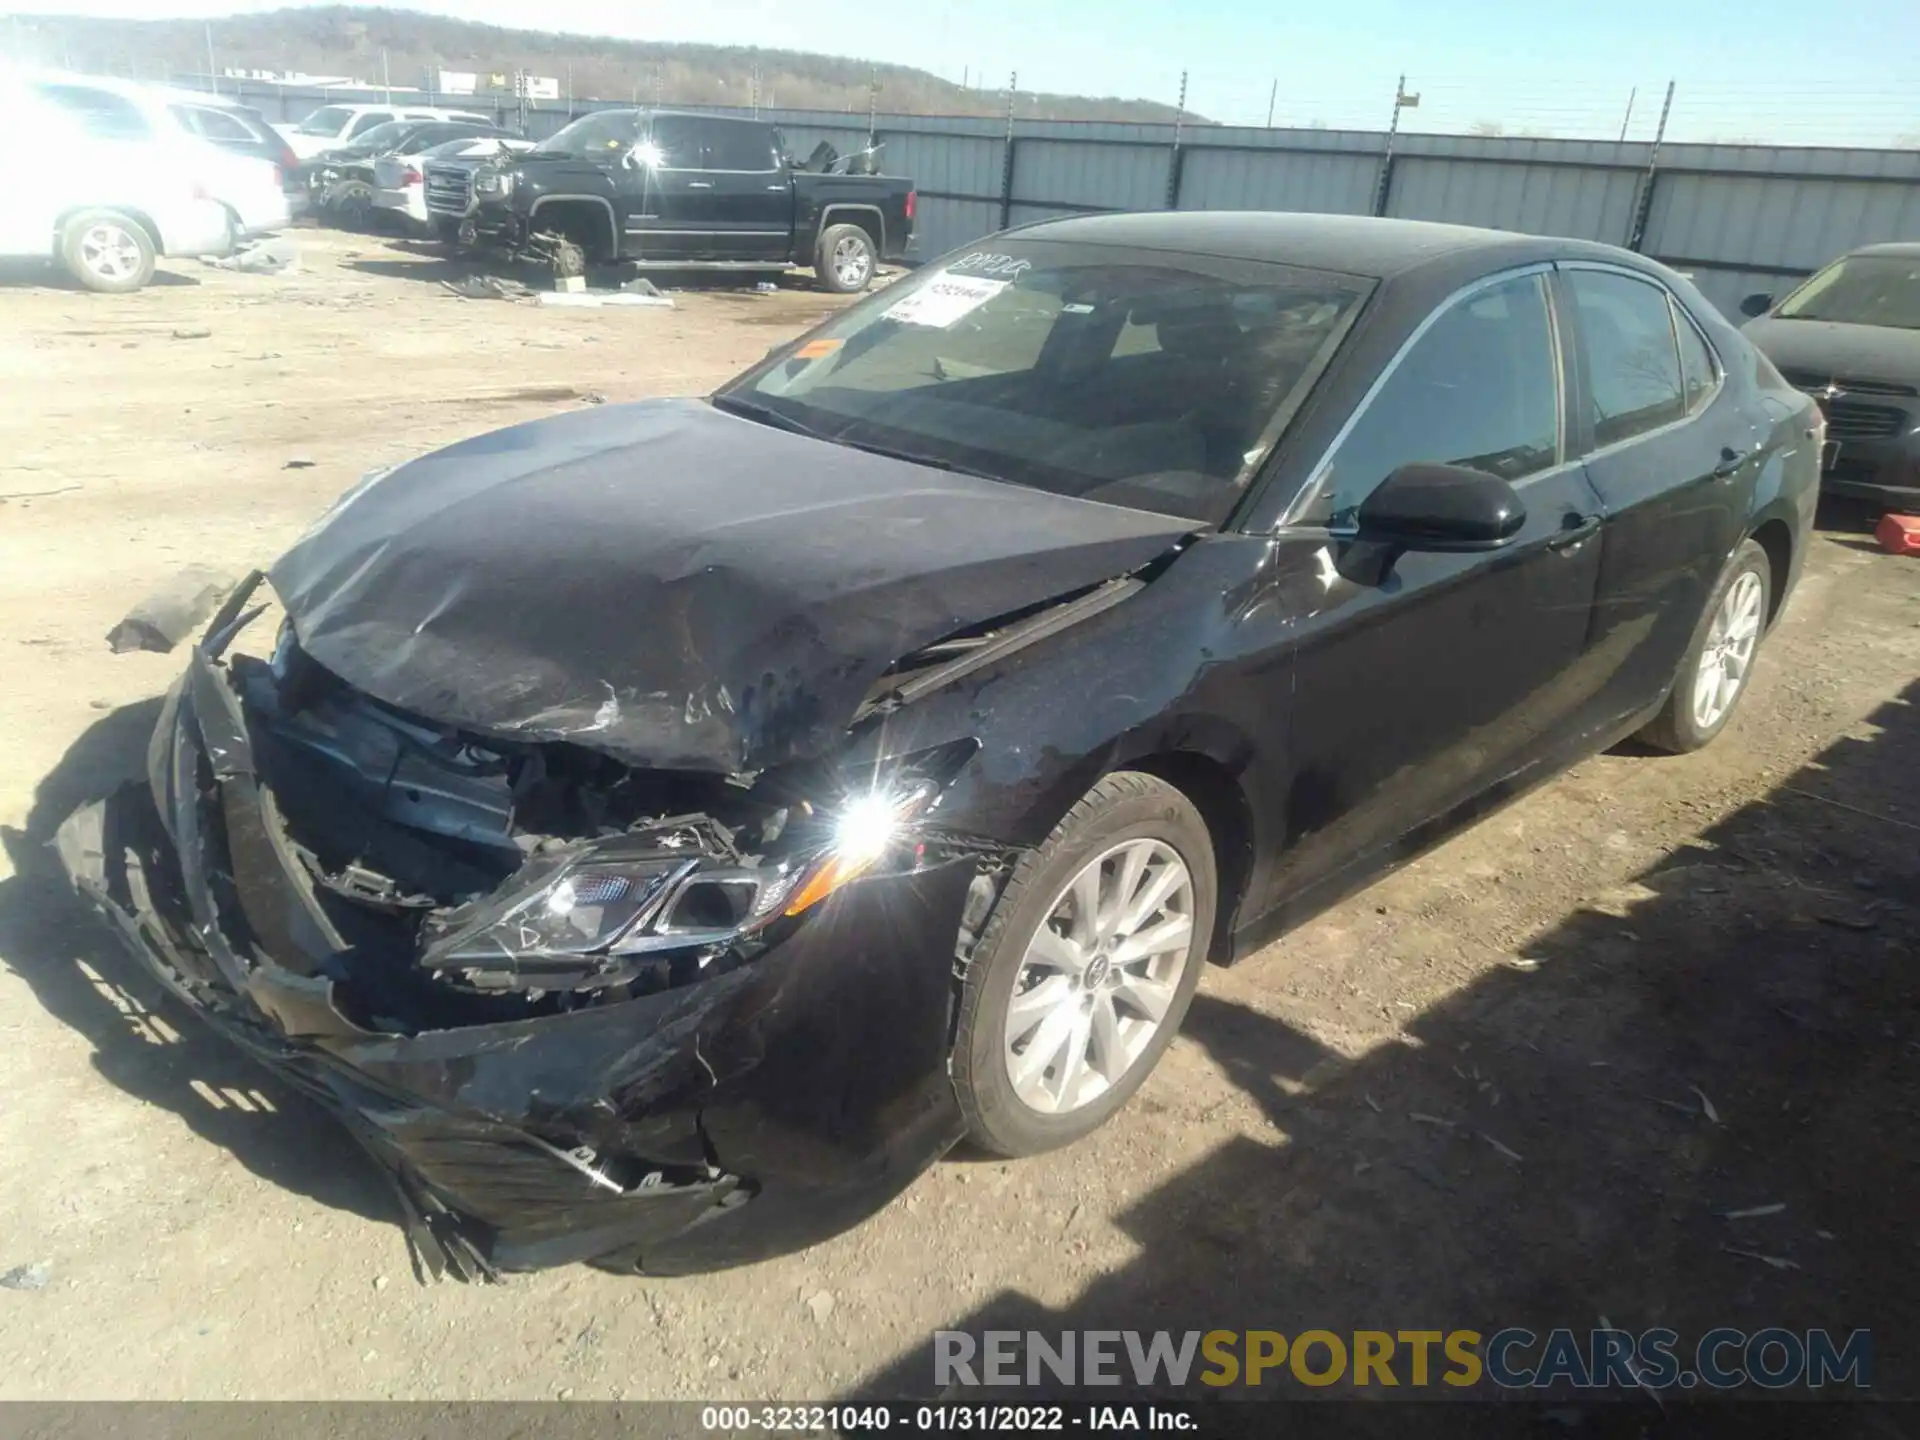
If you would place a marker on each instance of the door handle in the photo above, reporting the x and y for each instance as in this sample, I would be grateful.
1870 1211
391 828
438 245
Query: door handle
1575 531
699 184
1731 461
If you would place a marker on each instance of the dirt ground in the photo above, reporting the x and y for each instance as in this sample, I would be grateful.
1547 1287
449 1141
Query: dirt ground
1520 1082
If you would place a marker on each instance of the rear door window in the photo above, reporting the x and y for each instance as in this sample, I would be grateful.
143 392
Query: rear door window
367 121
1480 389
220 126
1698 376
1633 365
740 147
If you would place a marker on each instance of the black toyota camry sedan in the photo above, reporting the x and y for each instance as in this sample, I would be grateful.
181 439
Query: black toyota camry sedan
661 831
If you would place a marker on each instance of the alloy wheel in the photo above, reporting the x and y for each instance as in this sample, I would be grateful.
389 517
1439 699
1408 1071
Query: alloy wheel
851 261
1099 976
1728 654
110 252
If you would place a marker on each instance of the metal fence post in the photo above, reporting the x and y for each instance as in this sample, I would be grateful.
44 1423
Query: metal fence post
1006 166
1177 156
1643 209
1383 181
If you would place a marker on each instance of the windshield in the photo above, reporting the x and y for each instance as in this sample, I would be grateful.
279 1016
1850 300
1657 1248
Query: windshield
599 133
1861 290
1138 378
327 120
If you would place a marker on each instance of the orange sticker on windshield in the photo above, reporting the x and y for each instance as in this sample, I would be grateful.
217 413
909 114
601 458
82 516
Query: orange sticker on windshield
814 349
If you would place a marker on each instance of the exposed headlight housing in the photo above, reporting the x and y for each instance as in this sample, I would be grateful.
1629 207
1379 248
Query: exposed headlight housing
602 914
491 182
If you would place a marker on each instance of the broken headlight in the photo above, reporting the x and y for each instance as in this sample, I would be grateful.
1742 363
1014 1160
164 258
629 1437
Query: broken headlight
597 916
492 182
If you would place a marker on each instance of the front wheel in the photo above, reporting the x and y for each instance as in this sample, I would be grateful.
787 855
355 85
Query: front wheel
1084 971
1719 664
846 260
107 251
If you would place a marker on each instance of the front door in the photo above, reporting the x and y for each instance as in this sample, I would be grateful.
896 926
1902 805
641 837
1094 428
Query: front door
1426 682
671 212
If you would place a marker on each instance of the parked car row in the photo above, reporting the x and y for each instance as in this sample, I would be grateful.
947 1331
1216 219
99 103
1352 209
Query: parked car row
340 179
116 174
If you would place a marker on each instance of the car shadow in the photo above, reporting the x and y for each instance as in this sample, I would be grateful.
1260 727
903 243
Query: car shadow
143 1040
1690 1103
19 274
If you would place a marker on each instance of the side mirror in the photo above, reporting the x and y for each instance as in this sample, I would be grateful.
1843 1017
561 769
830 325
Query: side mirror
1756 305
1441 507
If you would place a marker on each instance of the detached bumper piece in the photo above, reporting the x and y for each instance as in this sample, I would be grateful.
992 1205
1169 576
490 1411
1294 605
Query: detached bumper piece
759 1109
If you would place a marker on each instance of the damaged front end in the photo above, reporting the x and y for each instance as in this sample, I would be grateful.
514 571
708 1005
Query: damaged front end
579 1010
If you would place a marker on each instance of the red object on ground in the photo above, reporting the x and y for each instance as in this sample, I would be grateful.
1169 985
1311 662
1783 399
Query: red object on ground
1899 534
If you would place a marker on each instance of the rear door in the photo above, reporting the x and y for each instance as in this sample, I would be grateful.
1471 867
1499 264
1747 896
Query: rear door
750 194
1424 680
1675 461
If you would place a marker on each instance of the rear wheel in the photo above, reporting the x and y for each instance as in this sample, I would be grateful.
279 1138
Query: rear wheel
107 251
1719 664
846 260
1086 967
351 205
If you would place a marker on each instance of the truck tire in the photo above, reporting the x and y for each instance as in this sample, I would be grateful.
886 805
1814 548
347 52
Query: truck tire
845 261
107 251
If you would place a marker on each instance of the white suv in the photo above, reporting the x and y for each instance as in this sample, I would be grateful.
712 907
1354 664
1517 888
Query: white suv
250 188
333 125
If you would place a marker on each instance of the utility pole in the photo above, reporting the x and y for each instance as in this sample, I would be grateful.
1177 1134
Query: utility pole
1006 163
386 77
213 75
569 89
1632 95
873 101
1272 96
1401 101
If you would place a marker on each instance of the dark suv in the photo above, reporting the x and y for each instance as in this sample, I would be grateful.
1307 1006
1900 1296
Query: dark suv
667 190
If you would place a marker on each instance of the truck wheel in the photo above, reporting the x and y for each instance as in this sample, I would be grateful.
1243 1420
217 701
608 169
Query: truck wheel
846 260
106 251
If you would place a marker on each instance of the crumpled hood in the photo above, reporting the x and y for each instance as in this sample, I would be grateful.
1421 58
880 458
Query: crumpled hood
1831 350
675 586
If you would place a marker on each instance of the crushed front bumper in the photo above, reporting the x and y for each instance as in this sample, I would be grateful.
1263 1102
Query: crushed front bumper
743 1115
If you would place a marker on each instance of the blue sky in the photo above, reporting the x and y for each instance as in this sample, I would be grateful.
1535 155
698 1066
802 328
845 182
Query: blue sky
1783 70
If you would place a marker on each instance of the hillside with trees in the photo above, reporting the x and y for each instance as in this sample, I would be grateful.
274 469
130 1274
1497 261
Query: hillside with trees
407 46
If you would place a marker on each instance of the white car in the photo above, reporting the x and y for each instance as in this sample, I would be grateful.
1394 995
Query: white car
250 187
102 205
335 125
399 181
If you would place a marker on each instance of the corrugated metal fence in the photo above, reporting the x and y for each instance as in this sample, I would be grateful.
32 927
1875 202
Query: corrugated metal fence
1738 218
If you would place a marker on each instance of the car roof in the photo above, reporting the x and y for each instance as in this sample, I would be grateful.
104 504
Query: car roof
1351 244
1903 249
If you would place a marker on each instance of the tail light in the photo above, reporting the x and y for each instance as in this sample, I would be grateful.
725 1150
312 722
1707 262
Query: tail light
289 162
412 176
913 202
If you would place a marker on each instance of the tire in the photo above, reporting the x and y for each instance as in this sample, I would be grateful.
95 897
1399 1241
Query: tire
1729 634
107 251
352 206
1127 813
845 261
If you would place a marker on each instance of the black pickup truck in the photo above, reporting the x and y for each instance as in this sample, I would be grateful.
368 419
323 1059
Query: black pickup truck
671 191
